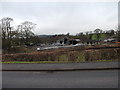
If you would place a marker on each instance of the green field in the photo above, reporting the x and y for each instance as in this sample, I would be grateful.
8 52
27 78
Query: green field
102 36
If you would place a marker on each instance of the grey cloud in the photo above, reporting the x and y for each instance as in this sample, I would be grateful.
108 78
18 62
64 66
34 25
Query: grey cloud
64 17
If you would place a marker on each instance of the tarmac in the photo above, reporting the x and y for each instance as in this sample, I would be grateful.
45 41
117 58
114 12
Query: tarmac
62 66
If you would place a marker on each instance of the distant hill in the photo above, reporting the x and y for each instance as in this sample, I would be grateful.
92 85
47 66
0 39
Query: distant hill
45 36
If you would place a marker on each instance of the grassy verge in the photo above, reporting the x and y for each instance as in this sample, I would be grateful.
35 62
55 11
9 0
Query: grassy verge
27 62
48 62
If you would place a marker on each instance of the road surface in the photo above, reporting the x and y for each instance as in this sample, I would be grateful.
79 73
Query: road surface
86 65
63 79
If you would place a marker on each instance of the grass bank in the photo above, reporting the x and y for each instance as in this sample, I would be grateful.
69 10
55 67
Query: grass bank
49 62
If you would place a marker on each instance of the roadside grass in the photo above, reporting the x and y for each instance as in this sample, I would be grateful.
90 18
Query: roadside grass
27 62
48 62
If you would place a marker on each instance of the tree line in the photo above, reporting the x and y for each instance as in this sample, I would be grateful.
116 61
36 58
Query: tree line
19 36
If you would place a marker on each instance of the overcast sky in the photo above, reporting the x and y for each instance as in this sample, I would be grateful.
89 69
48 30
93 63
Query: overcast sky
63 17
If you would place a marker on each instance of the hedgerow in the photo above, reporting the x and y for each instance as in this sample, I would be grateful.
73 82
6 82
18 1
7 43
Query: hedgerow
76 54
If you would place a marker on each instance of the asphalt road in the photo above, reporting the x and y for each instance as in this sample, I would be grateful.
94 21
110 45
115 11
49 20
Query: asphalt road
63 79
52 66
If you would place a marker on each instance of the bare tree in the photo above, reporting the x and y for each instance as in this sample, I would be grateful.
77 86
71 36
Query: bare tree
6 27
6 31
98 33
26 30
0 38
118 34
110 32
0 31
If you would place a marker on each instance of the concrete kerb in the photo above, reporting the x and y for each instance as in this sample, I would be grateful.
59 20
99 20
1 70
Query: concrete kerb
70 69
